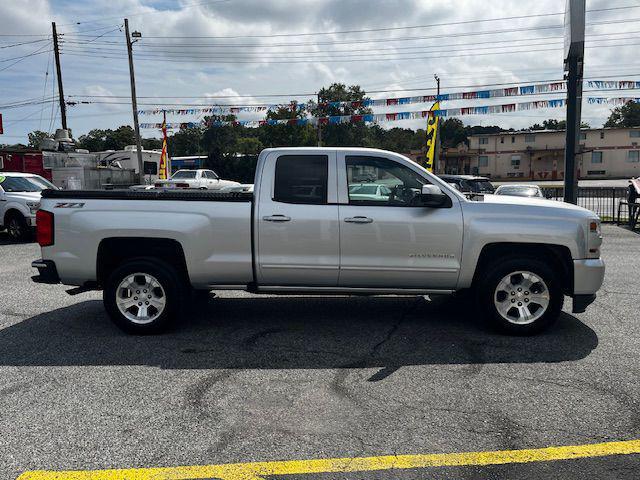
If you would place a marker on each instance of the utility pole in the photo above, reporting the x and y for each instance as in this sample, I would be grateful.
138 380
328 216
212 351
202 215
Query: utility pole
134 102
56 50
573 63
319 125
436 155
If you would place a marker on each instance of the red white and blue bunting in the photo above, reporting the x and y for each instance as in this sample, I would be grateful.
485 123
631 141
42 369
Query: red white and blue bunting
534 89
375 117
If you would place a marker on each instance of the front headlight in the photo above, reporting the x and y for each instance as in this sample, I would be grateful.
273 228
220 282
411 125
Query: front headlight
33 207
594 238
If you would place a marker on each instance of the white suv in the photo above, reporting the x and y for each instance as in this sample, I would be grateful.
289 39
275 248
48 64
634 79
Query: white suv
19 201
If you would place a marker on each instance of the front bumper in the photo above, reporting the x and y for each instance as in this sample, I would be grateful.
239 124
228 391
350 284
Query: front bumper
588 275
47 272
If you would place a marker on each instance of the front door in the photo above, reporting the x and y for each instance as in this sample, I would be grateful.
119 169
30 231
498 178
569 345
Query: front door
297 218
386 239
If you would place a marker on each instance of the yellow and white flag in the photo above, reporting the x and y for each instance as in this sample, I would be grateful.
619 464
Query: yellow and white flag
432 132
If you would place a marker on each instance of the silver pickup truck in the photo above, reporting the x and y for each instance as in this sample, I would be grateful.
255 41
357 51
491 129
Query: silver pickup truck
322 220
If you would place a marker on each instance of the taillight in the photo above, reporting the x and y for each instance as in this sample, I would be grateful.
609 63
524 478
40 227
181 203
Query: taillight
44 228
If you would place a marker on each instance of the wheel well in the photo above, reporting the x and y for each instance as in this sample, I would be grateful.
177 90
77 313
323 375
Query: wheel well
558 256
10 213
112 252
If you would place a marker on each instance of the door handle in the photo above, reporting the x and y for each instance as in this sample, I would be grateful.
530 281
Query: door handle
276 218
358 220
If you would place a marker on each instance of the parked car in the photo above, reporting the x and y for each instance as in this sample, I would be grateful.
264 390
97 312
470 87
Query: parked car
200 179
520 190
19 201
369 191
470 183
303 232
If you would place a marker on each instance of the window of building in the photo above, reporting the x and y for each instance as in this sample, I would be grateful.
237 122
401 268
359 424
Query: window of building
150 168
634 133
301 179
530 138
634 156
596 157
513 139
583 136
501 139
515 161
483 161
383 182
602 135
483 140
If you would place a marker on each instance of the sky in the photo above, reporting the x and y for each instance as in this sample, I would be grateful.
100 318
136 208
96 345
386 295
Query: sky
238 51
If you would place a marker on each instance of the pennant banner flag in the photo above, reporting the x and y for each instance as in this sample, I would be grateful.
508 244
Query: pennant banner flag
535 89
432 132
612 101
614 84
375 117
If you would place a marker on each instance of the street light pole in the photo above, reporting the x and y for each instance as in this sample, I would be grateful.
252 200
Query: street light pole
134 102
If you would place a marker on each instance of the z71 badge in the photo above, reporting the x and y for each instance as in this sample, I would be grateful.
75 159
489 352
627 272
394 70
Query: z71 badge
69 205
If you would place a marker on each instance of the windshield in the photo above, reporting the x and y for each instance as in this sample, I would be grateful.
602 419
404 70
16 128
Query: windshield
184 174
42 182
19 184
481 186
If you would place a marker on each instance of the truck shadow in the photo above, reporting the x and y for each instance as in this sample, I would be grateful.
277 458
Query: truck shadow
291 333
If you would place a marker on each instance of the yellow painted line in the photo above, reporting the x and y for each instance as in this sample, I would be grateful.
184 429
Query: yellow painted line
258 470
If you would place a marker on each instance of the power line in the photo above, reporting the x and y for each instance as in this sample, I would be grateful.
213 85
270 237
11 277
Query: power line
20 59
387 29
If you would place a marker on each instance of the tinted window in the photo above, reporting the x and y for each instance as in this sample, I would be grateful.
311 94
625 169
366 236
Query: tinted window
481 186
393 184
150 168
301 179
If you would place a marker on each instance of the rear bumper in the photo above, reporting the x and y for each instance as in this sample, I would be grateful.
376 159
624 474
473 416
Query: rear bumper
47 272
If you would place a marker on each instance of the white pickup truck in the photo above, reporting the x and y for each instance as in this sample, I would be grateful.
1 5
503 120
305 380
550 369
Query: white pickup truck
303 231
19 201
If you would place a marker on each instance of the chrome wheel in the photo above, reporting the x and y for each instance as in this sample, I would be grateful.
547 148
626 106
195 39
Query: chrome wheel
521 297
140 298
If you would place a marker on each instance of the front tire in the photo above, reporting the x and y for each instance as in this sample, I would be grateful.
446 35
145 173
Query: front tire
143 296
17 228
521 296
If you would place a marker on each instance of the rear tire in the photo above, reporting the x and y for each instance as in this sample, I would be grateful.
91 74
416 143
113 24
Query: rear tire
520 295
144 296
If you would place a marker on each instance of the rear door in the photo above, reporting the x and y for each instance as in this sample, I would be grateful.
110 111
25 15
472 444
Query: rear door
386 239
297 220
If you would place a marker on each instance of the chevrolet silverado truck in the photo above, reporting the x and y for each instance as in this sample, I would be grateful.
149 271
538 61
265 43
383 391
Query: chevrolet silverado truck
304 231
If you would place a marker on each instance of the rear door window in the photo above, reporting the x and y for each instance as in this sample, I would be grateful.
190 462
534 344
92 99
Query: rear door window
301 179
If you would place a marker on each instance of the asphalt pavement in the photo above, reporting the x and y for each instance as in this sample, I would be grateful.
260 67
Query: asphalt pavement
254 378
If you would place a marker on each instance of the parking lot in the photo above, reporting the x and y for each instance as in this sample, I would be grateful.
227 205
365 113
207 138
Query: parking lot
263 379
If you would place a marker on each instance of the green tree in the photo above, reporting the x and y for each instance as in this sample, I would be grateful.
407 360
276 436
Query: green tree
36 137
452 133
98 140
187 141
151 143
248 146
628 115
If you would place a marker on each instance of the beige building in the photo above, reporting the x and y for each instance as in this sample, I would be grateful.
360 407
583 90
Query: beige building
539 155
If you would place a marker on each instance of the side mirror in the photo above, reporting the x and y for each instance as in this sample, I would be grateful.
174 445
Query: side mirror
432 196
